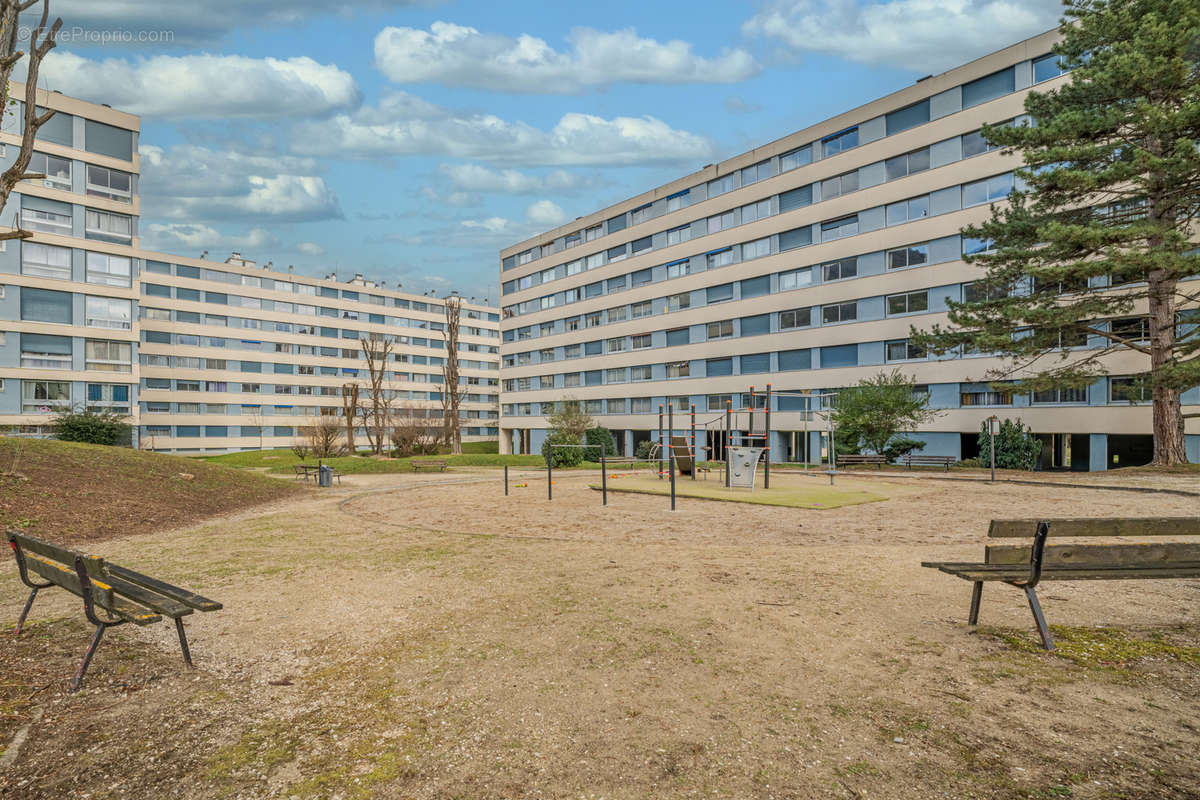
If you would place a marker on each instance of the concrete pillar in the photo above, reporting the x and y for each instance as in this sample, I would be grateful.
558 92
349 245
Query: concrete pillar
1098 452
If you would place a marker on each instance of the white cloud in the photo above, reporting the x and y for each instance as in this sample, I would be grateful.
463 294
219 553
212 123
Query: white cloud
491 224
461 56
194 183
186 238
546 214
478 178
196 22
310 248
919 35
205 86
406 125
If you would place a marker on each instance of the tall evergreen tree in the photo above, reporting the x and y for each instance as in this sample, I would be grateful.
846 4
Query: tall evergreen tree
1086 267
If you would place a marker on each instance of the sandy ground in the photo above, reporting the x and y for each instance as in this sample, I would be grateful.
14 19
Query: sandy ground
427 637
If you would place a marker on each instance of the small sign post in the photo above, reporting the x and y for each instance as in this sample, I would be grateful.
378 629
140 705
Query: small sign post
993 429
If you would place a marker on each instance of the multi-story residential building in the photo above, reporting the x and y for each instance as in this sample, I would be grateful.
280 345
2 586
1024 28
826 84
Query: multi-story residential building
201 356
802 264
234 356
67 294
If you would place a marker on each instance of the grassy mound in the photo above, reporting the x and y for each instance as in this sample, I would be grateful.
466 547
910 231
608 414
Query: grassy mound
69 492
280 462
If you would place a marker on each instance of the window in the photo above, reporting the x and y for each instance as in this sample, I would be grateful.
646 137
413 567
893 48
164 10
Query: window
679 369
755 363
618 314
643 309
678 302
108 356
755 287
722 329
986 397
973 247
987 190
797 237
1132 329
839 312
904 350
840 141
790 360
570 381
639 214
840 269
39 351
108 226
974 144
908 210
108 312
718 294
679 200
796 158
908 303
591 233
639 405
907 117
593 320
46 221
107 140
796 278
110 183
910 256
108 270
44 305
44 397
836 228
678 336
719 367
720 186
615 375
643 373
679 269
642 277
839 185
989 87
756 249
1061 396
756 326
756 211
719 258
640 341
1129 390
979 292
756 172
679 235
45 261
1047 67
907 164
795 318
844 355
56 169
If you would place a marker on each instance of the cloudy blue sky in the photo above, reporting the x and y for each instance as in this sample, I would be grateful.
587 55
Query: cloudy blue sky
411 140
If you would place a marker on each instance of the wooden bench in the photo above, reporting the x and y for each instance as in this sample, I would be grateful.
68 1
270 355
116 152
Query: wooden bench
928 461
1025 565
112 595
847 460
440 466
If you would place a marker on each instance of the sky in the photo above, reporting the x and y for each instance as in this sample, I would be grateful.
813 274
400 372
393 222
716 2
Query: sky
411 140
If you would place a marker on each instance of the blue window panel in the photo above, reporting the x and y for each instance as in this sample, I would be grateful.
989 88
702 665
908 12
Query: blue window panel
845 355
797 237
907 117
756 325
796 198
757 362
617 223
251 366
187 272
718 367
593 348
283 430
989 87
216 430
678 337
157 337
156 290
187 294
187 431
756 287
715 294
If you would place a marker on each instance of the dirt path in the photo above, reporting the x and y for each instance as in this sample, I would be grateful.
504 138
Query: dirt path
426 637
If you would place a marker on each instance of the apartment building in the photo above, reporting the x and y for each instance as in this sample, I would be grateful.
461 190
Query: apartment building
802 264
239 357
67 294
202 356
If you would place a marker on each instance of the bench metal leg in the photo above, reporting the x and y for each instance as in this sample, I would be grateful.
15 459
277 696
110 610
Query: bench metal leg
1036 608
25 612
87 657
183 643
976 597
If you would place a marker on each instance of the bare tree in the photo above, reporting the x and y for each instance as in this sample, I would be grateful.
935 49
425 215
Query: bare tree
41 42
377 411
452 393
325 437
258 421
350 410
413 433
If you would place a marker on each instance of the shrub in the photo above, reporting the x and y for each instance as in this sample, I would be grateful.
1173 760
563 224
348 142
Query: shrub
93 428
595 437
901 446
642 452
1016 446
969 463
565 456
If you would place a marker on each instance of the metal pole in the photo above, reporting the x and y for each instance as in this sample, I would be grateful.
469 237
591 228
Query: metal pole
550 473
832 448
992 440
603 478
767 435
807 440
660 441
751 415
695 455
672 460
671 432
506 480
728 428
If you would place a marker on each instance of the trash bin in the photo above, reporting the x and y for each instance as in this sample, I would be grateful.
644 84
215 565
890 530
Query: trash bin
325 476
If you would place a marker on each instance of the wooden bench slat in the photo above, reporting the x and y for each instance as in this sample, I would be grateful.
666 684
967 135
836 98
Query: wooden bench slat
31 544
173 592
160 603
1088 554
1147 526
102 594
1000 572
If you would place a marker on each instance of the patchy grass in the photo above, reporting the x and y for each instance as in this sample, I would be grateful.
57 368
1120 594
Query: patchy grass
805 494
71 492
1099 648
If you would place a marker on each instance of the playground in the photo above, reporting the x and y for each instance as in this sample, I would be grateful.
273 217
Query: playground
793 489
427 636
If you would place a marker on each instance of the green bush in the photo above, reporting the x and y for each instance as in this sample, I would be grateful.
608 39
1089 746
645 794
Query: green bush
901 446
1016 446
643 450
93 428
564 456
847 442
599 436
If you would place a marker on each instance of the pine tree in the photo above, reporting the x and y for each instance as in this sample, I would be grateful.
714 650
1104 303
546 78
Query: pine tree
1086 267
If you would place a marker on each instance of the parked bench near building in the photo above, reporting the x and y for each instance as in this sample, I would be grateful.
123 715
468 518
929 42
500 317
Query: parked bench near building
439 465
112 595
928 461
848 460
1026 565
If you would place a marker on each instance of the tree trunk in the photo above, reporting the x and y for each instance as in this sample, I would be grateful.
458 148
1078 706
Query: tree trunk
1169 446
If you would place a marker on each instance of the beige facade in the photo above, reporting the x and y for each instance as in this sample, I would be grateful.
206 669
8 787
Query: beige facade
802 264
